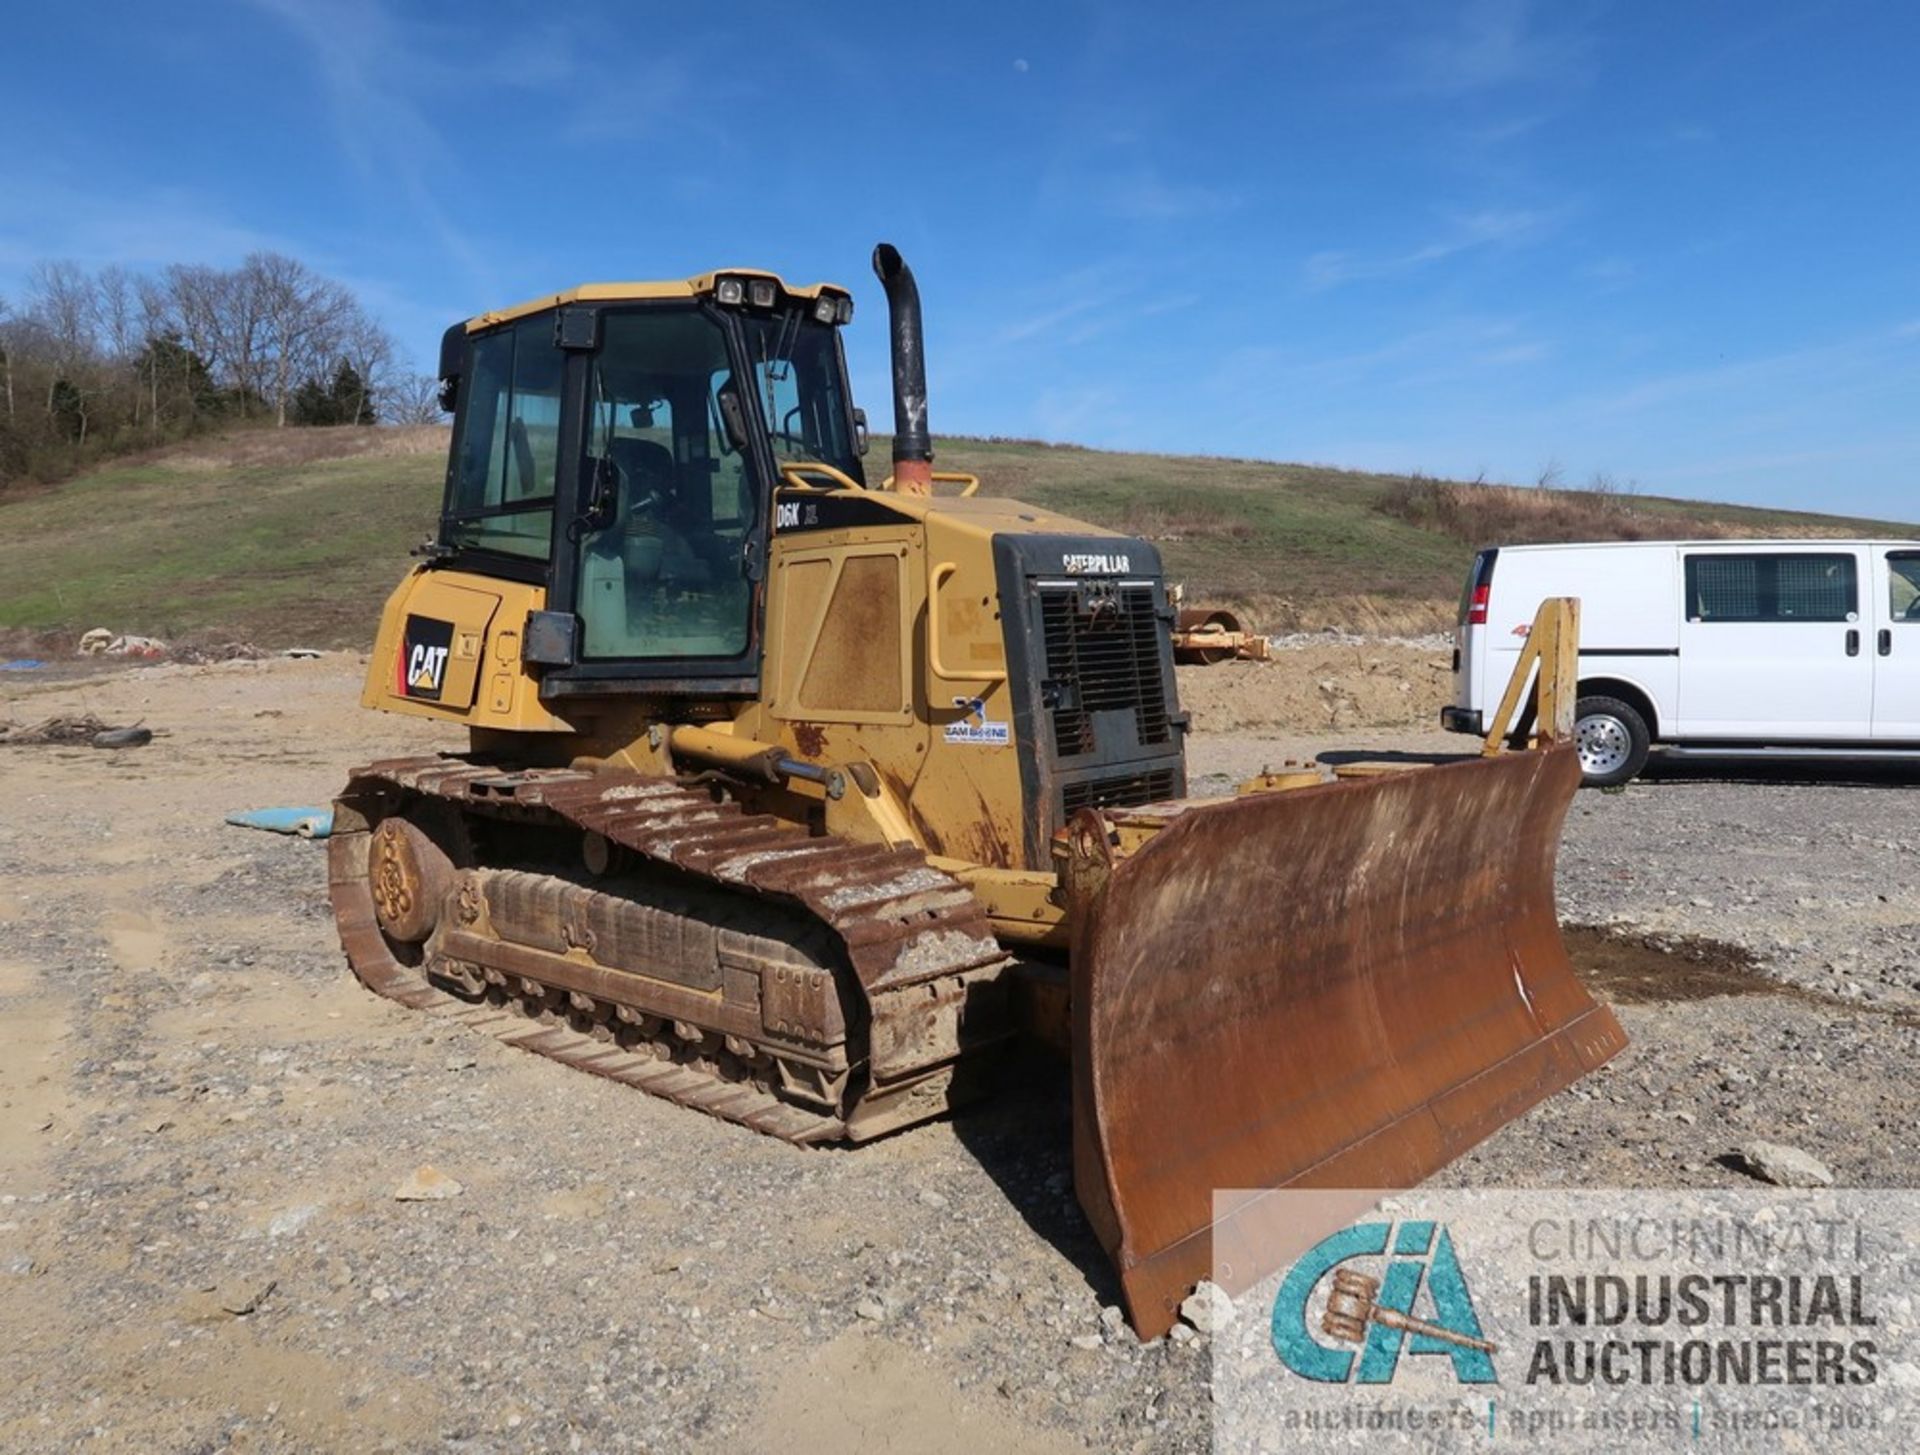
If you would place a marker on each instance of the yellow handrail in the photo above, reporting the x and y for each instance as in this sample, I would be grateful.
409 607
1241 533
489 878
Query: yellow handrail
934 582
794 473
949 477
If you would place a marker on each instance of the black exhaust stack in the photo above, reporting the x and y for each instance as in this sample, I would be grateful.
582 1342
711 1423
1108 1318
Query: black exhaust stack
912 445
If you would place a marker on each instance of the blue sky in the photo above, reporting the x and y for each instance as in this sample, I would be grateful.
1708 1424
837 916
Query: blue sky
1672 243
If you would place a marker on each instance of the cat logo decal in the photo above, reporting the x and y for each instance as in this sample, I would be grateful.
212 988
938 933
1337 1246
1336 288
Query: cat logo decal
422 668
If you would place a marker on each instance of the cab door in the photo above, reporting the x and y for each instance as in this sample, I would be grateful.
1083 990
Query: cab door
1773 645
1896 660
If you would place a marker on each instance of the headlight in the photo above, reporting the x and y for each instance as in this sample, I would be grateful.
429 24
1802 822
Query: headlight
731 291
823 309
843 311
763 292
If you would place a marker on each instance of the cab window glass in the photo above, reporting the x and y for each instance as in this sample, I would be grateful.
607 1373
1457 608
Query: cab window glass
663 562
501 495
797 378
1773 587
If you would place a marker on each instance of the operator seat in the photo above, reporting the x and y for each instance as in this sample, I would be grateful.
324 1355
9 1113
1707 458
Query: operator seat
621 564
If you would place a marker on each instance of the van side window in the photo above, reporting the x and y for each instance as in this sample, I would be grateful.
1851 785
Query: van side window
1903 585
1781 587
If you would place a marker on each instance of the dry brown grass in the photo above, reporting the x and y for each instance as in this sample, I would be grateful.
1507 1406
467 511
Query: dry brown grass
1368 615
268 448
1481 513
1196 523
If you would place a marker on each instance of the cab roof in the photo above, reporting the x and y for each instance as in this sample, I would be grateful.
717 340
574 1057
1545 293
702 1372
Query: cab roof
696 287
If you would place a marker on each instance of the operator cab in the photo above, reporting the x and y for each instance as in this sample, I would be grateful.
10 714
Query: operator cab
618 444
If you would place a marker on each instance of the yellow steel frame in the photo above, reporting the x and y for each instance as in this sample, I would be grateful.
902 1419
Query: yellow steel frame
1550 665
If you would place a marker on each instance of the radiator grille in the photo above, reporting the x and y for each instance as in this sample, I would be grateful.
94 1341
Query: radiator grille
1101 660
1126 791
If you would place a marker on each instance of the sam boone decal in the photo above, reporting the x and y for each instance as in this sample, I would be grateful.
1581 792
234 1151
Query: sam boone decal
1095 565
980 734
975 728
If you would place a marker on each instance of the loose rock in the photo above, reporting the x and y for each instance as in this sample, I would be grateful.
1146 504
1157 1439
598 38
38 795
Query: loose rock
427 1184
1785 1166
1207 1308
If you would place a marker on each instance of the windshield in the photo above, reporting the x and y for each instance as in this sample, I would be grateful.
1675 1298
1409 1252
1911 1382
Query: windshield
798 380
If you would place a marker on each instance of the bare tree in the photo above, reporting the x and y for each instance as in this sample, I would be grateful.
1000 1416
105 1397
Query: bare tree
195 305
104 360
411 399
303 317
6 355
60 301
368 349
116 313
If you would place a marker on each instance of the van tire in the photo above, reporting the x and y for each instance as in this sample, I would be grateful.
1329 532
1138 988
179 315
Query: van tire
1613 741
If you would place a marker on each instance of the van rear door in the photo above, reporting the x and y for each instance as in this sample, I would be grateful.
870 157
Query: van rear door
1773 647
1470 636
1896 643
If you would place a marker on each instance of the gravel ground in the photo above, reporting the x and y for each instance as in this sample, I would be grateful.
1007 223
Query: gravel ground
203 1122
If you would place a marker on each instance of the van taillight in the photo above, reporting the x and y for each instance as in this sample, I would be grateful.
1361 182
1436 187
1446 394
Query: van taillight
1473 595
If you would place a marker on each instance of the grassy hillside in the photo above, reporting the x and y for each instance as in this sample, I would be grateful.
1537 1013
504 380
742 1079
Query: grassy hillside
295 537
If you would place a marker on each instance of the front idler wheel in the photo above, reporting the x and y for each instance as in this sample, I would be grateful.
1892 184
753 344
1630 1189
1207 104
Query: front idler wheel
409 876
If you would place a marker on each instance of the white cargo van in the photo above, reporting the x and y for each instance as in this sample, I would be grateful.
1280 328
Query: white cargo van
1727 646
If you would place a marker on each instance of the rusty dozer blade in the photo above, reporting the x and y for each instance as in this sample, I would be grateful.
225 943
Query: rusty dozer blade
1343 986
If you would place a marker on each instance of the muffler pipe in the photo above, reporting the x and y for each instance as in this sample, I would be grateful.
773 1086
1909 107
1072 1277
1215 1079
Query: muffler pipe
912 445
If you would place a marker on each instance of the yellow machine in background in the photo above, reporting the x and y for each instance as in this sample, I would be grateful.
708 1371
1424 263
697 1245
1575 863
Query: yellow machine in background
793 796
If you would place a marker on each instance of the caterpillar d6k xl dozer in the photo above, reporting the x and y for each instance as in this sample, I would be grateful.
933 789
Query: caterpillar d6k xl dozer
793 795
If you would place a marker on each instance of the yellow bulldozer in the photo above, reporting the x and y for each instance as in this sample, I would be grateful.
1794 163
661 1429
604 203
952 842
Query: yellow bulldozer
796 796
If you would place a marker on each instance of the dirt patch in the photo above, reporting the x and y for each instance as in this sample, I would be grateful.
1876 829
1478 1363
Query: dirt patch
861 1393
34 1110
1633 969
1315 687
1644 970
1370 613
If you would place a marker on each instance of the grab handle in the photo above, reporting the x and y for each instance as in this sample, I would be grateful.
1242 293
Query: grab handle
1886 641
1853 642
934 582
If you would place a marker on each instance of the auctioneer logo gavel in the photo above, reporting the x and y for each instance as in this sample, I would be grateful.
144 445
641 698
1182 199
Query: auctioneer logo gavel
1353 1305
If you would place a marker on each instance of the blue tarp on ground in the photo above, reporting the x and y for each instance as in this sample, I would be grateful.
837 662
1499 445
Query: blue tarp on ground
308 823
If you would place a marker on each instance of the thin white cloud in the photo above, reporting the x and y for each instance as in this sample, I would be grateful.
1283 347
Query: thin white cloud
137 229
1039 324
1493 43
1146 196
1467 232
1611 273
1822 363
372 72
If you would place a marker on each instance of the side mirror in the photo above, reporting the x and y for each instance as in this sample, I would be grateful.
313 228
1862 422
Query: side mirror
453 363
734 418
860 438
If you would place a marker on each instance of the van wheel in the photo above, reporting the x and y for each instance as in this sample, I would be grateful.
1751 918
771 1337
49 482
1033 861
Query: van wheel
1612 739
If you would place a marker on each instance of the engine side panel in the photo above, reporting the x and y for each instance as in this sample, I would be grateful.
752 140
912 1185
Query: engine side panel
449 646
